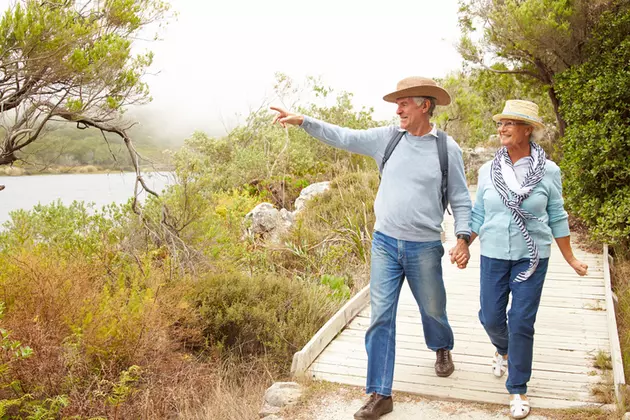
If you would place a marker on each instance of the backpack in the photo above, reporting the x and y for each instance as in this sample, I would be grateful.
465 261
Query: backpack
442 154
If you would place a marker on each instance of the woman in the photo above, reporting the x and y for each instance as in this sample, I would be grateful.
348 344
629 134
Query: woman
518 210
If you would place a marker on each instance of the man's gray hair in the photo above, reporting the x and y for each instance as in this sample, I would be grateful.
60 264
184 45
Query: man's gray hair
419 100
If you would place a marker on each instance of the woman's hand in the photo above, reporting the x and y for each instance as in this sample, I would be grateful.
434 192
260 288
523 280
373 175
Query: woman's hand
578 266
460 254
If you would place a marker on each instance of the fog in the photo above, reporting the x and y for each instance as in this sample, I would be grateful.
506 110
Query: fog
216 60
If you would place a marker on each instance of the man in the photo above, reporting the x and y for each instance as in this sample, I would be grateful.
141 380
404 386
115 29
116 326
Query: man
409 213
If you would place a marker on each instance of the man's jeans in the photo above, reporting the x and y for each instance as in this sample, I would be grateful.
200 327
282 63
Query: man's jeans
392 261
517 329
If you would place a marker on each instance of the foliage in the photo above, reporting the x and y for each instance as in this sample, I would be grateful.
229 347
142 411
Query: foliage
11 351
57 228
64 148
71 61
260 315
479 94
113 316
596 163
258 153
338 285
534 38
87 309
332 235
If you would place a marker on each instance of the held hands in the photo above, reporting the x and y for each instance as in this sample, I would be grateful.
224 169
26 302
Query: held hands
285 117
460 254
578 266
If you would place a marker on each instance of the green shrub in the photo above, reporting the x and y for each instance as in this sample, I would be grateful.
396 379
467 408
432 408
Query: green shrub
596 164
270 316
338 286
333 233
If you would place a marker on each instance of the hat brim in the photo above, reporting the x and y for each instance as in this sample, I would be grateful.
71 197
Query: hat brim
441 96
520 117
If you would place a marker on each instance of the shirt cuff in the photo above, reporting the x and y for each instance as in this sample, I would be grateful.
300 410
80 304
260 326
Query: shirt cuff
560 228
475 227
306 122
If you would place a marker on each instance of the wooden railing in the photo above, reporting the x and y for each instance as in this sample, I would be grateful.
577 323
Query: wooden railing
619 380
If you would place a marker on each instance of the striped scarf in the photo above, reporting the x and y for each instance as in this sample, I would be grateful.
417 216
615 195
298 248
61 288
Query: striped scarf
513 194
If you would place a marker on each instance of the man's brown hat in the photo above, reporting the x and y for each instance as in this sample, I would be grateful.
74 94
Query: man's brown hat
419 86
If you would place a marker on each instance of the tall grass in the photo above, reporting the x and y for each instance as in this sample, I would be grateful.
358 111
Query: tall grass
621 286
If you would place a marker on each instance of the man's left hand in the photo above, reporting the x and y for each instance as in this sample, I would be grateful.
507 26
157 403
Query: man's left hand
460 254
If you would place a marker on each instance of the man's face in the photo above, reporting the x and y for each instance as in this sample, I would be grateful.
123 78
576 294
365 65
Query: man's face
410 114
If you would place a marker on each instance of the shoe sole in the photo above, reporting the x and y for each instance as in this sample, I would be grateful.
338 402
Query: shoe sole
445 374
372 417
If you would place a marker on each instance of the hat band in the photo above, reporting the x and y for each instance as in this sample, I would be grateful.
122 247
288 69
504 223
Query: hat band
518 114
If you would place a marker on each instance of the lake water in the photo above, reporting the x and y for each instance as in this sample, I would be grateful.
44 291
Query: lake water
23 192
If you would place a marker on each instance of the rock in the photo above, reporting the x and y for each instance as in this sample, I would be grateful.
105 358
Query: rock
310 192
279 395
626 416
272 417
264 218
268 411
287 217
267 222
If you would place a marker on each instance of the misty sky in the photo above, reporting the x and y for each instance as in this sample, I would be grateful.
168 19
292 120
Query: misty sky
217 59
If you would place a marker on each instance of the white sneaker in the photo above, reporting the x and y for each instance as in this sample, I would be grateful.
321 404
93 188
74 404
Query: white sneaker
519 408
499 365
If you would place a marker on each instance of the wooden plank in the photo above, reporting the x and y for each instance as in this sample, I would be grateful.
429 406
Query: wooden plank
463 363
481 352
447 393
565 324
485 349
459 380
459 329
615 348
303 358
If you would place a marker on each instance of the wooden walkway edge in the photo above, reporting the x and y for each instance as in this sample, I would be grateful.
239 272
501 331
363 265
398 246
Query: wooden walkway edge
575 322
615 348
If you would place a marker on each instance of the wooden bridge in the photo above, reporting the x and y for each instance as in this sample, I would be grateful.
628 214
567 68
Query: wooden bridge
575 322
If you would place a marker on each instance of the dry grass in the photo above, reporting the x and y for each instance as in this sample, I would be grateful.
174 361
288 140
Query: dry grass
580 413
12 171
85 334
235 393
604 391
88 326
621 286
602 360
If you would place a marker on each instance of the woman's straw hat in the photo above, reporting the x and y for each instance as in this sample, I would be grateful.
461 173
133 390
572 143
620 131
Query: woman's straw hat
526 111
419 86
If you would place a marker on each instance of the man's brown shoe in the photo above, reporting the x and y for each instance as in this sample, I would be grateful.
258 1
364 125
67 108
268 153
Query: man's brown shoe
375 407
444 363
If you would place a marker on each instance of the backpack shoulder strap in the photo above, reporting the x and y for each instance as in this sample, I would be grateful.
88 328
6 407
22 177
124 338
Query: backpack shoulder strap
390 149
443 156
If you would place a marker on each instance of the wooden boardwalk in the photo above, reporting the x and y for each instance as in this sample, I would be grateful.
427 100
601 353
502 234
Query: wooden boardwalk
571 328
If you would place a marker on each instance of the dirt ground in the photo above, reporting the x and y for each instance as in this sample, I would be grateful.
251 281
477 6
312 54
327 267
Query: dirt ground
327 401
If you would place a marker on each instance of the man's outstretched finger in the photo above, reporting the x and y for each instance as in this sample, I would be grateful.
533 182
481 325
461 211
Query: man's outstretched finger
280 110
